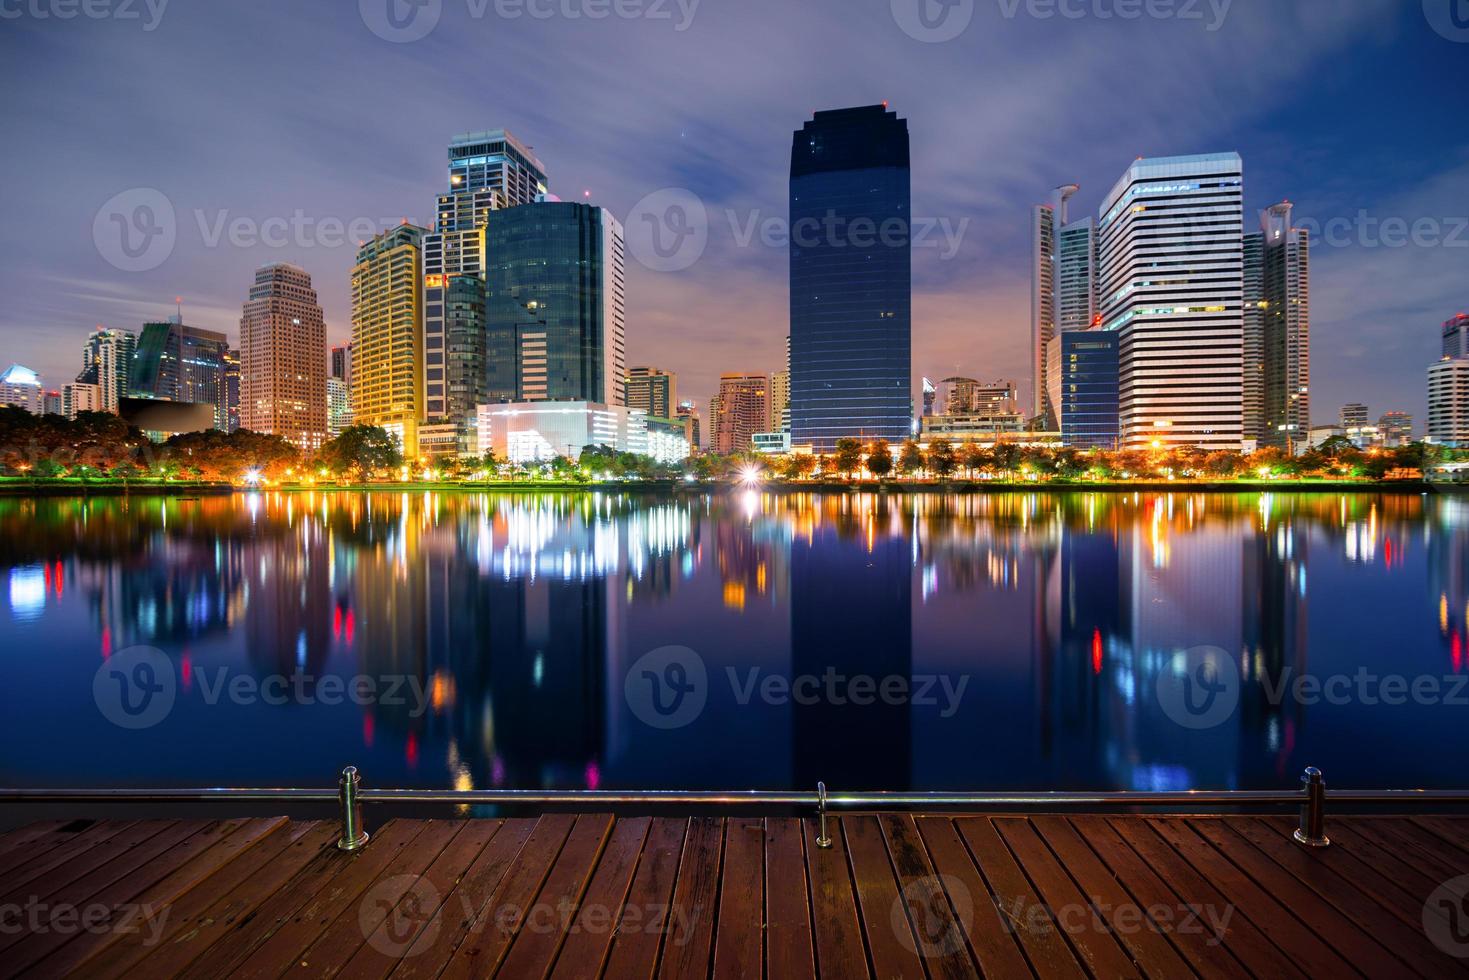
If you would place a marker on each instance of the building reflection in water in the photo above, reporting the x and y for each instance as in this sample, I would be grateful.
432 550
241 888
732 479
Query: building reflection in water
518 617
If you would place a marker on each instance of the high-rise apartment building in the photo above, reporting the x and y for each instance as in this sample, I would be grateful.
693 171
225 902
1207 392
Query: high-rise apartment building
1076 274
1448 402
780 400
739 411
338 407
283 358
386 358
1285 260
688 414
341 363
653 390
82 396
1396 428
1253 387
850 286
487 171
1063 294
176 362
1042 306
1171 282
106 362
555 304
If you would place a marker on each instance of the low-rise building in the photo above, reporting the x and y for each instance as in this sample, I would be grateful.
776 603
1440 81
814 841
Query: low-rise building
540 431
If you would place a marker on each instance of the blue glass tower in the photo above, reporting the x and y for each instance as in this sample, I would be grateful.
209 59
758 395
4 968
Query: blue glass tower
1090 381
851 279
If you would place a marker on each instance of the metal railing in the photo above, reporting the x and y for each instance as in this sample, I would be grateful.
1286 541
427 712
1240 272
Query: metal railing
1311 797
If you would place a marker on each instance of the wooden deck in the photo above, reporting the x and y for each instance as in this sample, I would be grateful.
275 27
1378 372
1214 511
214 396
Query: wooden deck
589 895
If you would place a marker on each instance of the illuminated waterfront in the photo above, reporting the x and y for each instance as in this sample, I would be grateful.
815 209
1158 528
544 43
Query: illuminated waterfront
503 640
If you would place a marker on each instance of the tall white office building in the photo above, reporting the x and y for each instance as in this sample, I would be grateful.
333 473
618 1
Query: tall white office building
1171 275
1448 402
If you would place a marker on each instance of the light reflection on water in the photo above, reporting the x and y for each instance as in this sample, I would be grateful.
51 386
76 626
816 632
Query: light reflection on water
1029 631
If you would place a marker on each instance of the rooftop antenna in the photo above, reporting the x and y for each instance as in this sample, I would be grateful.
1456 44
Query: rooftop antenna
179 306
1066 191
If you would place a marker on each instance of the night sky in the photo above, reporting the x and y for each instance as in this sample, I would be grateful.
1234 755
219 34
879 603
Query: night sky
270 109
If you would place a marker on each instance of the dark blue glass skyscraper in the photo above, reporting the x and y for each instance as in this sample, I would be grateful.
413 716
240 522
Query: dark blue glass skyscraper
851 279
1090 382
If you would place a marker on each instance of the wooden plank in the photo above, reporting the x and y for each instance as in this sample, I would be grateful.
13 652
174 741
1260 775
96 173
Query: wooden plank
73 875
304 897
1360 949
1083 925
1218 948
237 890
739 941
890 939
1373 842
1149 940
32 834
695 902
841 950
789 954
588 941
27 848
991 939
1026 916
496 924
185 867
359 917
1311 952
941 921
33 866
360 869
1408 944
400 929
635 952
1451 833
534 948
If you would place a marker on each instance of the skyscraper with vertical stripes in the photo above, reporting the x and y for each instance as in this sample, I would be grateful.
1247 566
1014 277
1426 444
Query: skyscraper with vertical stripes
1171 273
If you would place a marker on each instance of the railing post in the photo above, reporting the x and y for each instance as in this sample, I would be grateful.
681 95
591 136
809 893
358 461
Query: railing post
1312 832
823 840
354 837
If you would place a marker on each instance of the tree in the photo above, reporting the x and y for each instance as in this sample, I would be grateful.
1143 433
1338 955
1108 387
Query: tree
848 456
910 459
880 460
362 450
975 457
798 466
941 458
1006 456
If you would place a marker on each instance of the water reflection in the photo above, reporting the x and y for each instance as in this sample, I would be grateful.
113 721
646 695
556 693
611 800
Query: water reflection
1010 641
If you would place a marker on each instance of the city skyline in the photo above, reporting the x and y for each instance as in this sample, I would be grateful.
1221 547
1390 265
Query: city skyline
1372 305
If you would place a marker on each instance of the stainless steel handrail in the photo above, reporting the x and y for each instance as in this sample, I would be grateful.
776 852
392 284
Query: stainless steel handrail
349 796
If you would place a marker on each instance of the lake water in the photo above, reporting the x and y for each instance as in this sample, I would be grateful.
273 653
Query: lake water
743 640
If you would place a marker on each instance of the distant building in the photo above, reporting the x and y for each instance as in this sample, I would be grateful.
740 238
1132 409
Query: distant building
380 375
850 287
79 396
533 432
1456 336
772 443
1279 328
1042 303
179 363
668 441
1353 415
232 390
283 358
339 409
1090 389
555 304
21 387
106 362
1397 428
688 414
653 390
780 400
51 403
966 396
741 409
1448 402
